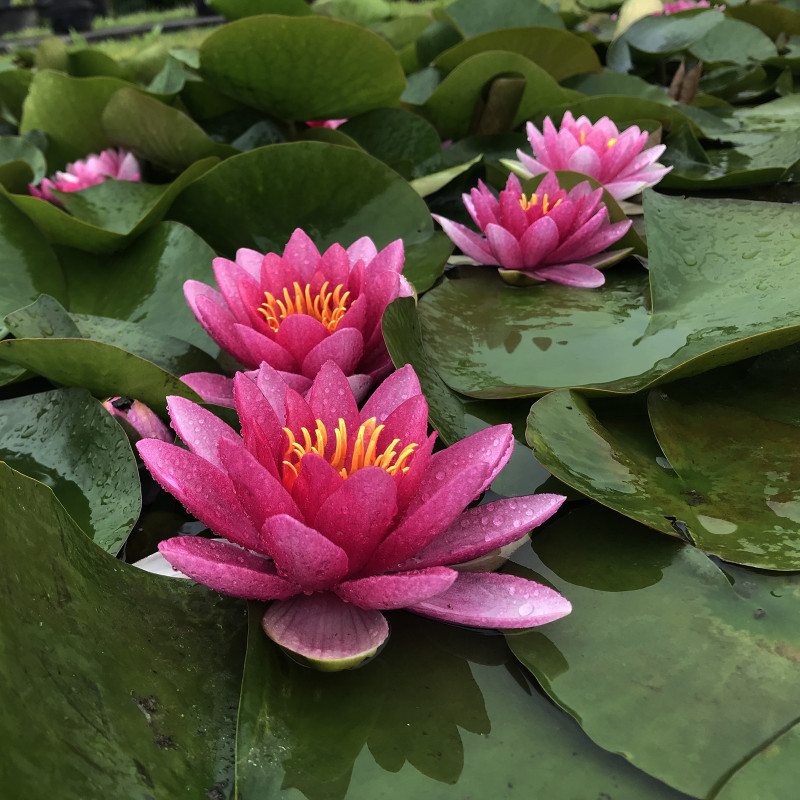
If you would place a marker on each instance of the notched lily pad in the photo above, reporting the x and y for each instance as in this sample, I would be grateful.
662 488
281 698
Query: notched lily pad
710 668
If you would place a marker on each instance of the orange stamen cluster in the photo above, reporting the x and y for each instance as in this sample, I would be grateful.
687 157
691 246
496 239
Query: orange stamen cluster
364 454
526 204
327 307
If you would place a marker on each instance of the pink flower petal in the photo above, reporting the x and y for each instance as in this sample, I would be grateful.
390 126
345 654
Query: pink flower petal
250 261
409 482
485 528
572 275
302 254
220 326
586 161
345 347
330 400
299 383
533 166
505 247
260 494
361 384
273 387
469 242
229 275
489 600
204 490
227 569
213 388
358 514
408 423
389 259
324 628
199 428
335 266
302 554
258 348
317 481
298 334
538 241
422 524
255 413
395 390
396 591
362 249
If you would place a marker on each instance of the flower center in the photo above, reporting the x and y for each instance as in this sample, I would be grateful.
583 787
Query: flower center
327 307
364 454
526 204
610 143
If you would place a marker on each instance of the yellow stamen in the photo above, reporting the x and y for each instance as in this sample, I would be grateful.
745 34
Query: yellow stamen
525 204
583 137
364 454
327 307
611 142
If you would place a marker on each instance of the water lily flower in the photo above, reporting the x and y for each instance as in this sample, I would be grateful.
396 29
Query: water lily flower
142 422
617 159
684 5
550 235
326 123
94 169
298 311
336 514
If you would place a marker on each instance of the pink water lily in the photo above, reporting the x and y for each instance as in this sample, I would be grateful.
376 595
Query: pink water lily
143 422
94 169
617 159
300 310
336 514
551 235
685 5
326 123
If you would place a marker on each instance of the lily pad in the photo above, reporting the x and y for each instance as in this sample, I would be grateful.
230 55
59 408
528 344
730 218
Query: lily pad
452 104
120 658
30 267
438 730
733 42
473 17
560 53
689 642
143 284
109 215
18 147
749 165
336 194
161 134
720 289
283 65
65 439
69 111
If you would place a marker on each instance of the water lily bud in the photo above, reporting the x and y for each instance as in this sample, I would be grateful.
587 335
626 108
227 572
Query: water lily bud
139 421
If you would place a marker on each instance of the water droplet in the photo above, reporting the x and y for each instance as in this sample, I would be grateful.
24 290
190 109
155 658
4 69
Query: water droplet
525 609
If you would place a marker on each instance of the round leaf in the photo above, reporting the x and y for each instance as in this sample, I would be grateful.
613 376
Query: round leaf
302 68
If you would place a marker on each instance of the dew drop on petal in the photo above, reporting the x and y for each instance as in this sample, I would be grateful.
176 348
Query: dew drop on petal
525 609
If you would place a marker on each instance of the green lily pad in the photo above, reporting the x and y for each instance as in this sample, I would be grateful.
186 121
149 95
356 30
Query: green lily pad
161 134
336 194
143 284
431 716
14 87
733 42
30 267
454 416
104 369
749 165
285 66
135 678
720 290
769 774
663 660
473 17
560 53
452 104
663 35
66 439
16 175
91 63
773 20
109 215
703 480
398 138
69 111
18 147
